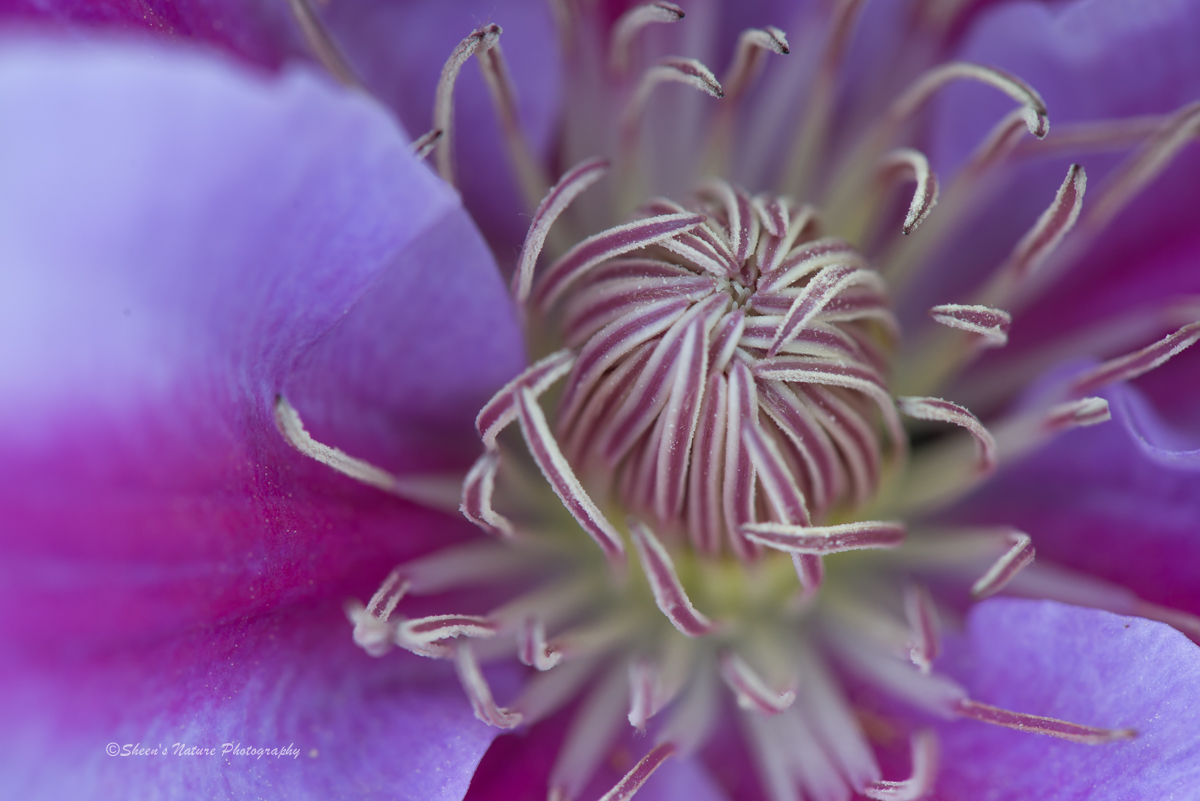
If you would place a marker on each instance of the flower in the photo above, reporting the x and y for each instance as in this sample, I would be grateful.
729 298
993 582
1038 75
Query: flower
193 402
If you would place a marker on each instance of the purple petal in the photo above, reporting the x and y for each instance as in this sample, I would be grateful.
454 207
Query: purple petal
181 242
1118 501
1079 665
394 728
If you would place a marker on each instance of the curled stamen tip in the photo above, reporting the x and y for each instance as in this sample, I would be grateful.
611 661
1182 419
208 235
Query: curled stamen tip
1037 121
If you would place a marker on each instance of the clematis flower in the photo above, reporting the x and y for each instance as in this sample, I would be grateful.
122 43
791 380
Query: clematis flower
761 472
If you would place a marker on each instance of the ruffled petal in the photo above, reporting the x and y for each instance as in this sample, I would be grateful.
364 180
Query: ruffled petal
344 725
182 241
1079 665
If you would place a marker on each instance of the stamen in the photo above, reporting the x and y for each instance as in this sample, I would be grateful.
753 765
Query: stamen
751 691
1021 434
443 101
424 144
631 23
1132 365
478 691
669 594
943 411
818 108
1144 166
1033 107
652 391
322 44
616 342
1019 556
706 479
501 410
637 776
528 170
752 47
924 745
477 493
815 296
1041 240
424 636
780 485
533 650
990 325
923 623
1035 724
679 420
737 496
826 539
851 376
649 692
913 164
670 69
371 632
569 187
436 492
566 486
606 245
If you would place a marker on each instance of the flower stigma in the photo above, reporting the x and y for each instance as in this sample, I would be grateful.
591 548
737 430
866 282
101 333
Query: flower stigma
714 482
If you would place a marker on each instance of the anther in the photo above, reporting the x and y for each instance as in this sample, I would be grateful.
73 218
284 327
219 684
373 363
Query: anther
924 749
912 164
371 630
478 691
443 102
687 71
637 776
923 624
434 491
562 480
669 594
823 540
1035 724
424 144
990 325
936 409
1019 556
748 687
1134 364
632 22
556 201
1033 107
1041 240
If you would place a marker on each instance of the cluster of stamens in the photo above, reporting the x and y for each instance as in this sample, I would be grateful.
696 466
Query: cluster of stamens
721 400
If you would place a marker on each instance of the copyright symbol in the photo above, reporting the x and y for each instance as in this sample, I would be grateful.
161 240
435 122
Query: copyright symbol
112 749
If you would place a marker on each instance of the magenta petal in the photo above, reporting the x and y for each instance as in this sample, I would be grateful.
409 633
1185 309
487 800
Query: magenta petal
1119 501
361 728
1079 665
256 31
176 235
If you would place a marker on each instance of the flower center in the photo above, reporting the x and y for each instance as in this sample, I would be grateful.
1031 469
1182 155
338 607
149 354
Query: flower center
715 390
